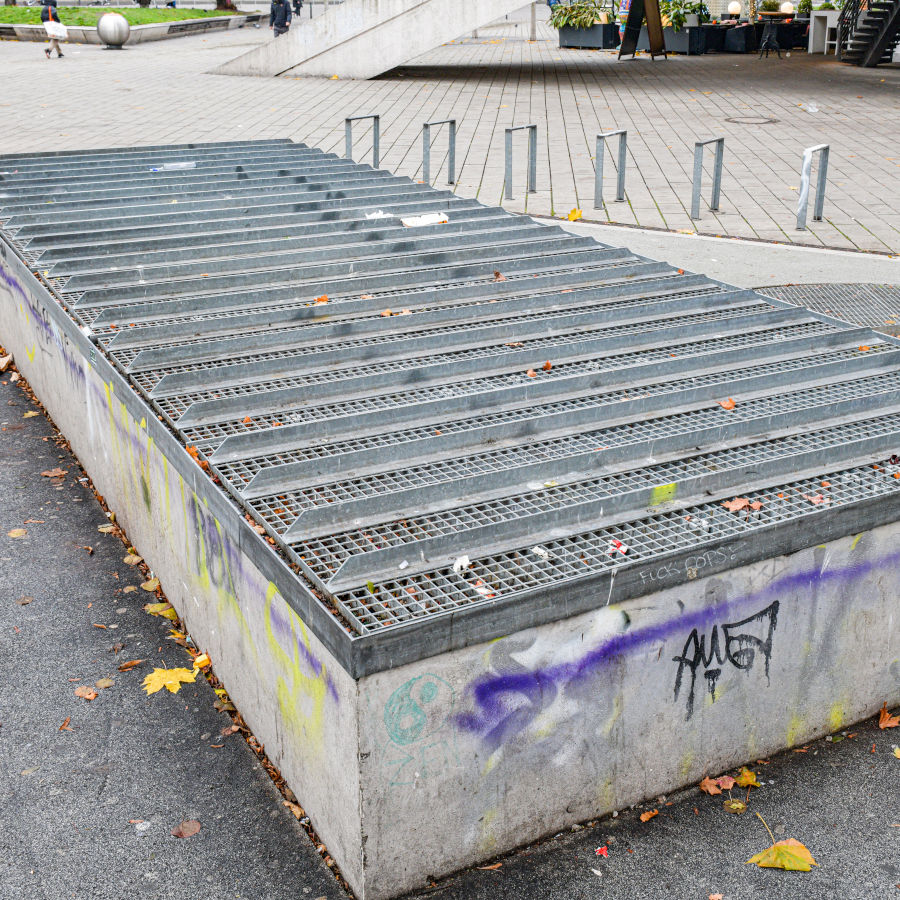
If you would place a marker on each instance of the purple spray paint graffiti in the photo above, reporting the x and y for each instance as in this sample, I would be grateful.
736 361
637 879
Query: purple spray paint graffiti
495 720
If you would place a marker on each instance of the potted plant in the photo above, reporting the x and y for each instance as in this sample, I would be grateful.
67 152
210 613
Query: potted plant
588 24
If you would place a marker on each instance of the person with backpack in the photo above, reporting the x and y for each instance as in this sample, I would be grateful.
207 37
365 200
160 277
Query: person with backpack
280 17
49 14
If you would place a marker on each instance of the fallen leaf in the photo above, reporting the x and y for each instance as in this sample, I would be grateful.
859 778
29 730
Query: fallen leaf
647 816
128 590
386 312
88 693
886 720
322 299
864 347
531 373
746 778
547 366
201 661
737 807
897 752
186 829
65 724
98 624
104 683
727 404
490 868
106 529
737 504
132 559
150 585
788 854
132 663
366 296
574 215
295 808
17 533
170 679
30 415
602 851
54 473
498 276
24 601
816 499
715 897
709 786
726 782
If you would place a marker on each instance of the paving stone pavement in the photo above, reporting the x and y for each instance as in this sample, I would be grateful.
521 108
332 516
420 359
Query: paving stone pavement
160 92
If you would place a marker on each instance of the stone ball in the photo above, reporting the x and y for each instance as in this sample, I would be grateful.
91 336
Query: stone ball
113 29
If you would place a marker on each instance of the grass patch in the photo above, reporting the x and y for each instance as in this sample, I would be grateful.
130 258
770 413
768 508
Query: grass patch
87 15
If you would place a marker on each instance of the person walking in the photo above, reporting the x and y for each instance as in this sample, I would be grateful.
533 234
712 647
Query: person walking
279 17
50 17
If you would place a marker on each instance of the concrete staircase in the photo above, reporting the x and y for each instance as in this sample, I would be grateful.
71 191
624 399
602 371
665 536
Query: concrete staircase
363 38
868 36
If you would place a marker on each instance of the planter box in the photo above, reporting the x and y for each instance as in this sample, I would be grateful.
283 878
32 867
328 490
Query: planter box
691 41
597 37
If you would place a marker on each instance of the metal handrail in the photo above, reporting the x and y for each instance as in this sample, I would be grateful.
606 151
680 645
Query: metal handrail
846 25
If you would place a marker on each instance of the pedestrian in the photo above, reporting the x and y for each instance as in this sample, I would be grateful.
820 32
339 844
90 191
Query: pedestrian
298 5
53 26
280 17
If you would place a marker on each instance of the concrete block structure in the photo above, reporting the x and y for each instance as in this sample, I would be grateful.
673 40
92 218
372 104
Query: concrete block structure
488 529
363 38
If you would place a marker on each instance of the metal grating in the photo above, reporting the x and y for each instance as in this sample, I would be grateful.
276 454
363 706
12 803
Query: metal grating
874 305
489 388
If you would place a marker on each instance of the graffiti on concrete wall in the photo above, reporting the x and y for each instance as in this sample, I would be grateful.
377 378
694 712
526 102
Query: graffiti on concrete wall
739 645
417 719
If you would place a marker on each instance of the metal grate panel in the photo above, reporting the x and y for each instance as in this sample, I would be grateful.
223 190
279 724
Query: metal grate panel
489 388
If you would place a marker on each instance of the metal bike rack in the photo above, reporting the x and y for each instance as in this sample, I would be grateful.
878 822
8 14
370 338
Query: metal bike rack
532 159
598 168
426 150
805 172
376 136
698 175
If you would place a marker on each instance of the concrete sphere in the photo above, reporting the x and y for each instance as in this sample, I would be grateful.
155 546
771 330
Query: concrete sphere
113 29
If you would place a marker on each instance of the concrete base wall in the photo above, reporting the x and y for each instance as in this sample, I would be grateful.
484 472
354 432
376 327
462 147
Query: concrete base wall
478 751
140 34
426 768
363 38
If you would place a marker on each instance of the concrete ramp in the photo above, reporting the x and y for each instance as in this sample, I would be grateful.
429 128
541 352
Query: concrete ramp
363 38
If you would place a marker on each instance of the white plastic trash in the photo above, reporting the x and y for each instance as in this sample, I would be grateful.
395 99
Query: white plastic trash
427 219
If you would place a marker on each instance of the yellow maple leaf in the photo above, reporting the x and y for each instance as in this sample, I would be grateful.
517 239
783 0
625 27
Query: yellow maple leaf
746 778
788 854
171 679
574 215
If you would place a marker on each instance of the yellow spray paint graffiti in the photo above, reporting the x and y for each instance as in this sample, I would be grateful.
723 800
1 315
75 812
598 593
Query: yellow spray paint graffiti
301 696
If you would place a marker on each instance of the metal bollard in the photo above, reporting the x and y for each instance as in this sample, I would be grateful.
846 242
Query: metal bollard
698 174
376 137
598 167
426 150
805 172
532 159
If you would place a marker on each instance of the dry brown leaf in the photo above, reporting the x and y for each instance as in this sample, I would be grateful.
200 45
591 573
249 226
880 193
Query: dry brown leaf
322 299
547 366
492 868
150 585
65 724
647 816
715 897
498 276
54 473
727 404
737 504
531 373
17 533
710 786
186 829
886 720
128 590
366 296
295 808
726 782
104 683
132 559
132 663
87 693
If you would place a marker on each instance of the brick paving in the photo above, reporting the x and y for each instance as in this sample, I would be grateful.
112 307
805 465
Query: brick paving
160 92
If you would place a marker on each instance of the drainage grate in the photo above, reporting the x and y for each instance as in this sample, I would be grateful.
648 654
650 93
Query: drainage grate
386 398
